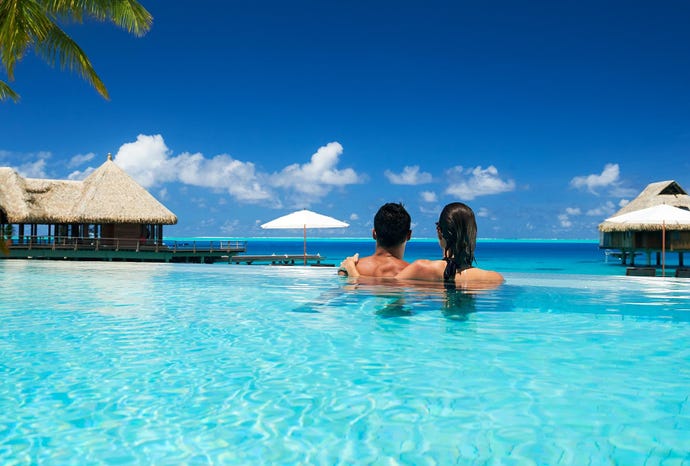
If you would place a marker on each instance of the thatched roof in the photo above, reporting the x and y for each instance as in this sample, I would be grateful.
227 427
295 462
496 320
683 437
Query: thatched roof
108 195
662 192
656 218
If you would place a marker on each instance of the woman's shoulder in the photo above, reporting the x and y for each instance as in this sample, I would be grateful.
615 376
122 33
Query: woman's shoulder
428 263
481 276
423 269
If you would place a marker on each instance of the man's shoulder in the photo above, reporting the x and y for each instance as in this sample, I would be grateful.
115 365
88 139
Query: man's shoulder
378 266
380 258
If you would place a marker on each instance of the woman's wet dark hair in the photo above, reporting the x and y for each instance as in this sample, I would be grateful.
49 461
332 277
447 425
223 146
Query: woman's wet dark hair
458 227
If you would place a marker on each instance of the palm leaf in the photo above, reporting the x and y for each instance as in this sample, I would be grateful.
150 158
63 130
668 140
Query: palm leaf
6 92
22 23
131 16
26 24
127 14
59 48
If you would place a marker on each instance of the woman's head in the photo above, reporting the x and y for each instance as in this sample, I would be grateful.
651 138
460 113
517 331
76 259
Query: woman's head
458 228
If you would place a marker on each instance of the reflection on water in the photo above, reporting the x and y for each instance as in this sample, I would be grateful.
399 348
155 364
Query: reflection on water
459 304
406 299
641 297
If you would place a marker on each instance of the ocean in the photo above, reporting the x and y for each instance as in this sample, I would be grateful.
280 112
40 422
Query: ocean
542 256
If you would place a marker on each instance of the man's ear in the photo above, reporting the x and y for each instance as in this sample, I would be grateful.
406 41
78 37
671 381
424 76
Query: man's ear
409 235
373 233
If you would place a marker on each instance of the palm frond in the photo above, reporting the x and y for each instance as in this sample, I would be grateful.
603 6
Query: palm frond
131 16
21 24
127 14
59 48
26 24
6 92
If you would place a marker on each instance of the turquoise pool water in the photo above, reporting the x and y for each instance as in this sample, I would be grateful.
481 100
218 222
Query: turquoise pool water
112 363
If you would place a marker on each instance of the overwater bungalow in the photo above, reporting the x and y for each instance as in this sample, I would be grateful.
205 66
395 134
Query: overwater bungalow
107 216
646 238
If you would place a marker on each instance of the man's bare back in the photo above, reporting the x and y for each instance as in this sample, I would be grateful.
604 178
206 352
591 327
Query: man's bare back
380 264
391 232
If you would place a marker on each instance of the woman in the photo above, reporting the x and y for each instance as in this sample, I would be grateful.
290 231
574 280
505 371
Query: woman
457 236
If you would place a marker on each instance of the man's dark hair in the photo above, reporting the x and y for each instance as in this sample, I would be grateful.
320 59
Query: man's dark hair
392 224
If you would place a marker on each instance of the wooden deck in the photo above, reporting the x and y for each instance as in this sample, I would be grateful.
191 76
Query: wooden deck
280 259
680 272
640 272
110 249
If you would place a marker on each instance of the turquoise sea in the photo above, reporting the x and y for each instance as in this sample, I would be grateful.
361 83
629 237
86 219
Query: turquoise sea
540 256
569 362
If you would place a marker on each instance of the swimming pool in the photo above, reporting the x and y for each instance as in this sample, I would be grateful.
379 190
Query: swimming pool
169 363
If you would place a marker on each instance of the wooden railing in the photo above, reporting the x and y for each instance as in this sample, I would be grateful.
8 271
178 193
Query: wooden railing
125 244
207 245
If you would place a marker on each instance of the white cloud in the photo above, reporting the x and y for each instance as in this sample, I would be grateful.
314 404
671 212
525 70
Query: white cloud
10 155
565 221
623 202
221 172
80 175
35 169
619 191
434 210
354 217
319 175
200 202
147 160
207 222
428 196
602 211
483 212
80 159
28 169
410 176
150 162
475 182
230 226
608 177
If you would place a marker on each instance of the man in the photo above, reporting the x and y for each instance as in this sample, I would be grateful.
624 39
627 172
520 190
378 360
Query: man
391 232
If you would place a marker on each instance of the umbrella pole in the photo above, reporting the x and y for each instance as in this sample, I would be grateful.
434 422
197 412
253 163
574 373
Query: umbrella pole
663 249
305 244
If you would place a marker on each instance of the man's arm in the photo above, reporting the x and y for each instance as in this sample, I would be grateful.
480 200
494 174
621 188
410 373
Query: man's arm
349 266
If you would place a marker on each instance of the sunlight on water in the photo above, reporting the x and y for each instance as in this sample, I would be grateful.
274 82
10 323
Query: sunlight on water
170 364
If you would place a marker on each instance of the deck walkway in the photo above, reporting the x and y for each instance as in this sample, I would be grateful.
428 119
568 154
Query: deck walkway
105 249
280 259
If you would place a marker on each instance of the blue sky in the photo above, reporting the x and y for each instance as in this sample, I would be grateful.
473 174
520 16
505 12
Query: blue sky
545 117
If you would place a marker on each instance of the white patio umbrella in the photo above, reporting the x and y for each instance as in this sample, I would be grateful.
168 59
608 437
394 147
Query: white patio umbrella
658 217
304 219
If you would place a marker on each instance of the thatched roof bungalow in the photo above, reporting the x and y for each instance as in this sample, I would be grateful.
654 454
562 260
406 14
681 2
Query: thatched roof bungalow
107 204
633 238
